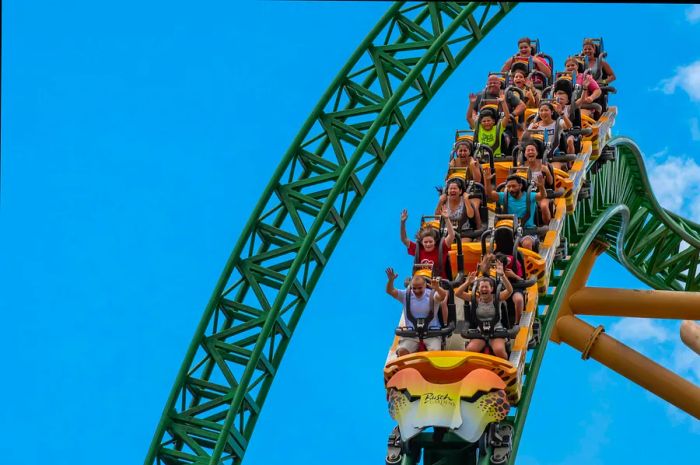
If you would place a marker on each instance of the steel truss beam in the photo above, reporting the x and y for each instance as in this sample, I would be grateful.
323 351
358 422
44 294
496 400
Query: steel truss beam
622 213
239 343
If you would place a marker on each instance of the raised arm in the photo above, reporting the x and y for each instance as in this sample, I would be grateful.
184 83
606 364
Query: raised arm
441 294
461 291
508 286
471 118
541 190
475 169
468 205
404 237
548 174
441 204
559 107
534 97
485 263
450 238
490 193
504 109
390 289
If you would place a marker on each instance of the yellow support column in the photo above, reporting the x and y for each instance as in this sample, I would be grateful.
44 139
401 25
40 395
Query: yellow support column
630 364
592 342
634 303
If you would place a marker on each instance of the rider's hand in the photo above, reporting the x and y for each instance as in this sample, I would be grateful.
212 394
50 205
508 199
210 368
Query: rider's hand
404 215
391 274
499 268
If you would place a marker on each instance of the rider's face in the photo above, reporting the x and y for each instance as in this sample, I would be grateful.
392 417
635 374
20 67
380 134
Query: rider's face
519 79
485 287
463 152
428 243
530 152
513 187
524 49
487 122
493 85
418 286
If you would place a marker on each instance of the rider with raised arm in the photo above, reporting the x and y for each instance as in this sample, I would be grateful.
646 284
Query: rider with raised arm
486 308
493 91
517 202
429 249
423 304
491 129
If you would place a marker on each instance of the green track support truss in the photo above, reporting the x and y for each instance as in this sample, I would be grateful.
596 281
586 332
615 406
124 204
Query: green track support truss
657 246
238 345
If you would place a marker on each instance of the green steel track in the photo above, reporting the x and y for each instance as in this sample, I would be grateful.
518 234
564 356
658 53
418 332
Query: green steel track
239 343
657 246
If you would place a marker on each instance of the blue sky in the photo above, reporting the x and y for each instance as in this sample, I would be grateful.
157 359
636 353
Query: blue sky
136 140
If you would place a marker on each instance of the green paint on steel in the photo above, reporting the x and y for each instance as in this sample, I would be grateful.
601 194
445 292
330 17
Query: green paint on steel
239 343
659 247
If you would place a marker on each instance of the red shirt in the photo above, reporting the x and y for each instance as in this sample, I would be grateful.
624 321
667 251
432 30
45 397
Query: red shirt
432 257
515 266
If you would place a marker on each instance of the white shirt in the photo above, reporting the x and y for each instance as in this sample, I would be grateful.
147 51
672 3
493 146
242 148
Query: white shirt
420 307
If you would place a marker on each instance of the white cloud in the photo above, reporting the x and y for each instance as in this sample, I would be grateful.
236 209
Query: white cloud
692 14
694 129
676 183
687 78
640 330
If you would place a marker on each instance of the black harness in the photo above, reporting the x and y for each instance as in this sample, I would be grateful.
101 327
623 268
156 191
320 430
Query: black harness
485 327
420 324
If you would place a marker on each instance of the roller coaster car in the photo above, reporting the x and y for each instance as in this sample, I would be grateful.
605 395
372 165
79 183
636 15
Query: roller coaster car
457 391
504 237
